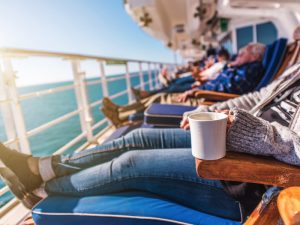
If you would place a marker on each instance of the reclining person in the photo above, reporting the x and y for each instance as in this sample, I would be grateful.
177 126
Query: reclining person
212 71
181 75
180 84
240 77
160 160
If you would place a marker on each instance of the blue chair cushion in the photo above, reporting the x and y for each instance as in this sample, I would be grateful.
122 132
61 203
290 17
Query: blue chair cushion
162 115
121 208
274 54
136 116
268 54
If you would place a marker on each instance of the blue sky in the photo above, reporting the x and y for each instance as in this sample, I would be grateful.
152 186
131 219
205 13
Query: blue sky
98 27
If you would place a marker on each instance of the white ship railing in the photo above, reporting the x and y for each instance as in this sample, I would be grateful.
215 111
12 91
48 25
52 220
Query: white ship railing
10 100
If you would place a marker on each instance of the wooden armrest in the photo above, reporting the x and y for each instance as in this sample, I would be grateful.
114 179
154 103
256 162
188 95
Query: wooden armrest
249 168
264 215
288 204
214 95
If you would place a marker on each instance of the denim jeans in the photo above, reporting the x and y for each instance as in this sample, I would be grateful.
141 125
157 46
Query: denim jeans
183 80
152 160
180 85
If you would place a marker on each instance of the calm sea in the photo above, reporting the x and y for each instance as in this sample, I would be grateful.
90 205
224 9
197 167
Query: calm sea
40 110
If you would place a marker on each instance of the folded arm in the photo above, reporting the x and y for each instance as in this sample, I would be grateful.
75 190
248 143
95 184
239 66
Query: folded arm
253 135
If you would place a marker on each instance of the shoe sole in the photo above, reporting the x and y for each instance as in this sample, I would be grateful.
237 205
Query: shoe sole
17 188
107 103
115 121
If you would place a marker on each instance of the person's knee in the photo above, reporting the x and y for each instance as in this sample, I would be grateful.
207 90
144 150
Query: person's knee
136 133
126 164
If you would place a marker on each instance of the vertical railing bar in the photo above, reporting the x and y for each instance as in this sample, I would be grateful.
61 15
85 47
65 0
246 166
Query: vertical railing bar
105 91
128 83
16 109
85 116
142 82
157 73
154 76
150 77
6 112
103 79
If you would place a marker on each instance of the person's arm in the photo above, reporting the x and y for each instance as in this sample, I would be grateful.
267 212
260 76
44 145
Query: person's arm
246 102
253 135
212 72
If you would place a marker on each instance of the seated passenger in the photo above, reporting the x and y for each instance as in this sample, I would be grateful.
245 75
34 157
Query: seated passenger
239 77
164 77
160 160
212 71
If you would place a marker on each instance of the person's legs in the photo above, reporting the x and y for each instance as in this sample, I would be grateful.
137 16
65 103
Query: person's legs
141 139
183 80
131 108
121 115
169 173
176 88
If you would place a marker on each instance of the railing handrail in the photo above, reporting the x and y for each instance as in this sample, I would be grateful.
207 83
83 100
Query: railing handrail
19 52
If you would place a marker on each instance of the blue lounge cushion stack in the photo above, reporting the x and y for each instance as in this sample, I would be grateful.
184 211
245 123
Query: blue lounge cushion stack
161 115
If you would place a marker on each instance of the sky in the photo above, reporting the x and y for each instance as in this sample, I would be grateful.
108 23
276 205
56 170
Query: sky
96 27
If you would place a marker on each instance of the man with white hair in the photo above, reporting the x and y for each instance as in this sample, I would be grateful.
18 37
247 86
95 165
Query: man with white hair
239 77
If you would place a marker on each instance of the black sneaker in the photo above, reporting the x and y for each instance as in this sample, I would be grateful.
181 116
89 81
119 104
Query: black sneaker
28 199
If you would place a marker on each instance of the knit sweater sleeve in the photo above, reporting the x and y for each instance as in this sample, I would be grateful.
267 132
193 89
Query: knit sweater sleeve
246 102
256 136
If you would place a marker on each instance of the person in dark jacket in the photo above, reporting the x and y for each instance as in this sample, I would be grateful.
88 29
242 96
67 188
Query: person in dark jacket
239 77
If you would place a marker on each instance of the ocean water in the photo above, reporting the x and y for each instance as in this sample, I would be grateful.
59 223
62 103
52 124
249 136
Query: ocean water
40 110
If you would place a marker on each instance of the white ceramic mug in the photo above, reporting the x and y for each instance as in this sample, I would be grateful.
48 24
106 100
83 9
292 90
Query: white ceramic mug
208 134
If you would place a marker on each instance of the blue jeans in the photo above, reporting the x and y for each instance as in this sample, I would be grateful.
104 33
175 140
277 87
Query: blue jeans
152 160
183 80
180 85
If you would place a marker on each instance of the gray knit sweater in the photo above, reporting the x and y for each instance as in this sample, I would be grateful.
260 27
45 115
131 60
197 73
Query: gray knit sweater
253 135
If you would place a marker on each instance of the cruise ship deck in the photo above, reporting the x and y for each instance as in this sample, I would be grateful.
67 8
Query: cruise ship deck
190 29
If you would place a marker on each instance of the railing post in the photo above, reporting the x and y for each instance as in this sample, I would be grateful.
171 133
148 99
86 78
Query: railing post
7 113
150 77
103 79
105 92
16 109
128 83
86 119
142 82
157 73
